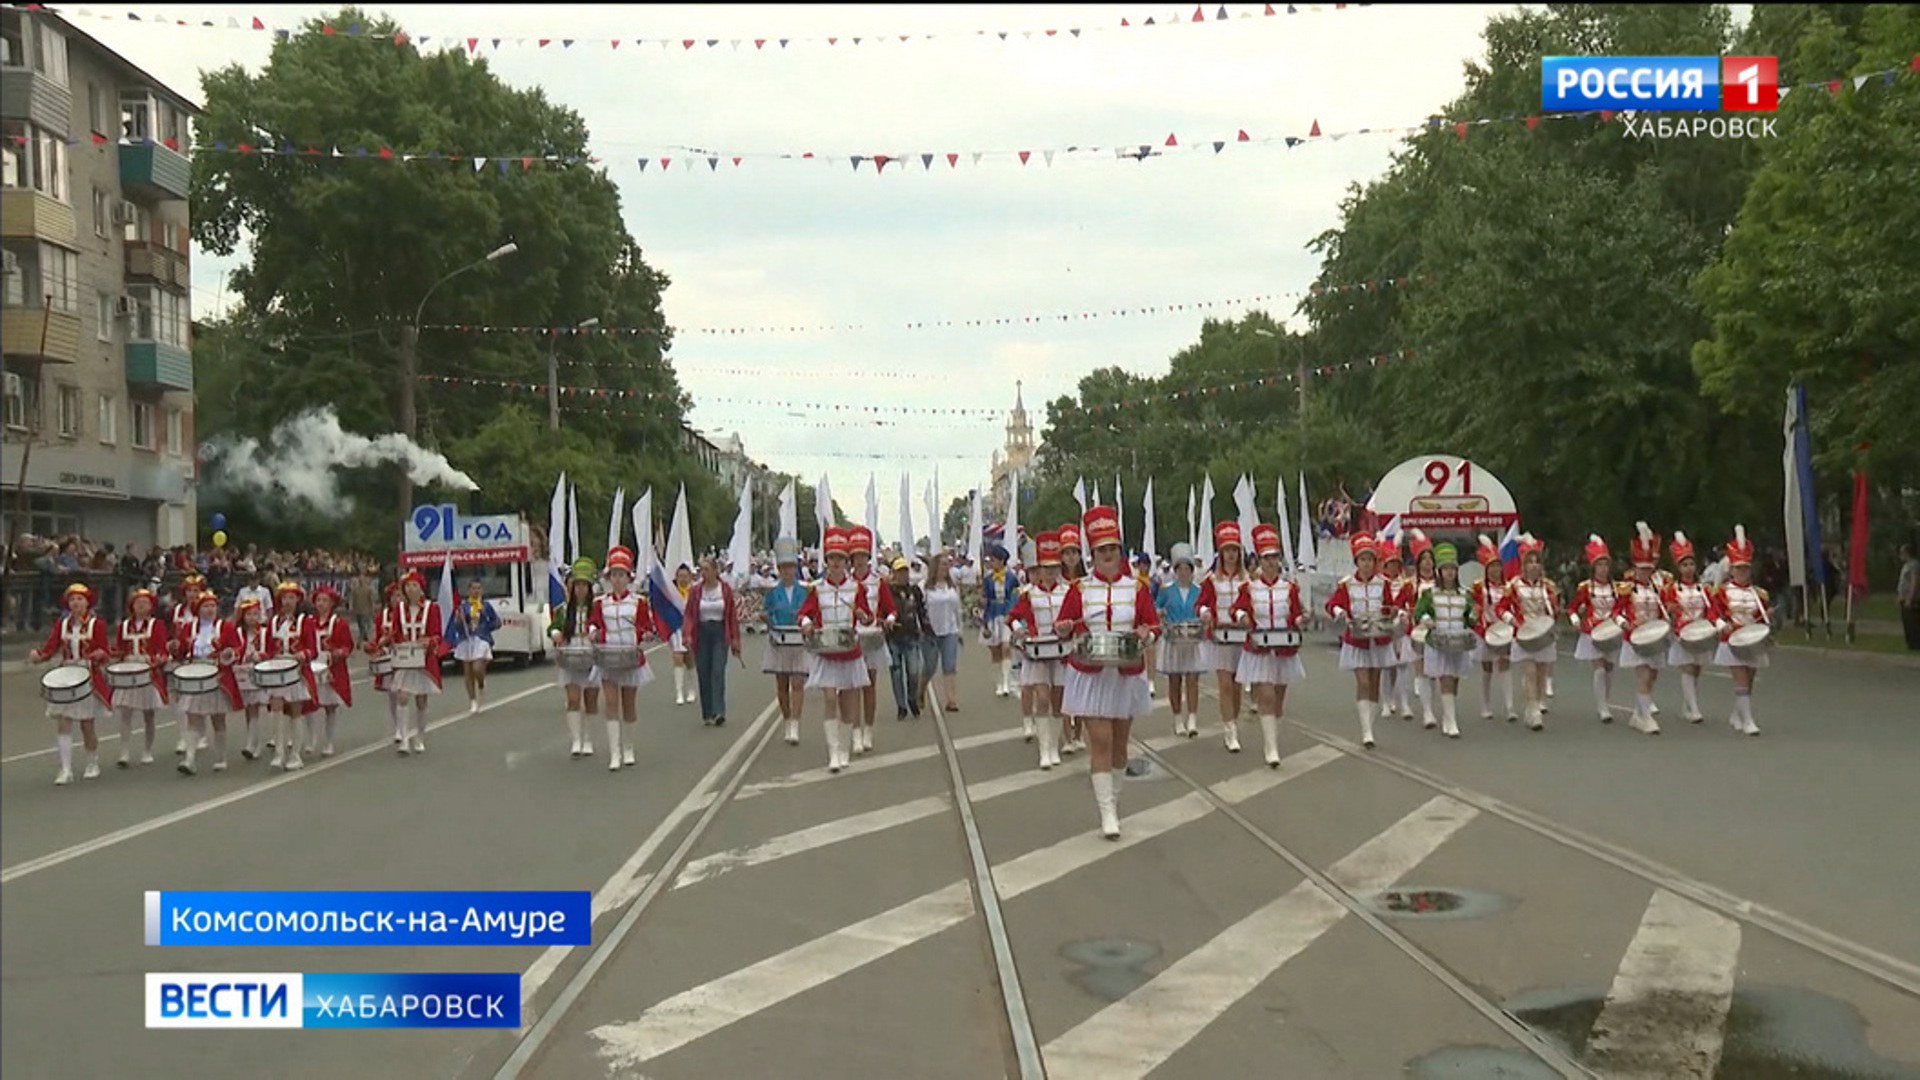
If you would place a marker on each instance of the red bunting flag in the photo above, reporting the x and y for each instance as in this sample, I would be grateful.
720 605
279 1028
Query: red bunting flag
1314 133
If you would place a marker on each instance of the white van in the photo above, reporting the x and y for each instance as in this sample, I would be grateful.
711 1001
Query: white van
496 549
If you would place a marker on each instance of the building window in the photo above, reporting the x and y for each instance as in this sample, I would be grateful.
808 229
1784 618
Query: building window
22 400
102 213
109 419
100 111
28 42
16 278
176 431
35 159
140 424
55 278
67 411
103 317
158 315
138 222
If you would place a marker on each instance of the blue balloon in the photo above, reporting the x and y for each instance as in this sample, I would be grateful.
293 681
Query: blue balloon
219 521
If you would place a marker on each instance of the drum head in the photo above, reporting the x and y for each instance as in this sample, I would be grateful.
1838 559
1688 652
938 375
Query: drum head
278 663
1606 633
1748 636
127 667
1500 635
1649 633
197 671
1698 631
66 677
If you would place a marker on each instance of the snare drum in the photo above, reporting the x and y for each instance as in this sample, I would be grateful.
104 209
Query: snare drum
1420 637
381 663
1607 637
1452 642
1536 632
196 678
576 656
1750 642
277 673
129 675
1105 648
68 684
409 656
1699 637
786 636
1276 639
832 640
1185 633
616 658
321 667
1650 639
1499 635
1045 648
1230 635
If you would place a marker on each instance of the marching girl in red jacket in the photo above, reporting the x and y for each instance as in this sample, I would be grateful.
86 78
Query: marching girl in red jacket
837 602
209 640
181 617
1687 601
1218 591
621 619
140 639
331 639
1270 601
874 647
377 644
78 639
256 644
293 637
414 628
1364 602
1599 599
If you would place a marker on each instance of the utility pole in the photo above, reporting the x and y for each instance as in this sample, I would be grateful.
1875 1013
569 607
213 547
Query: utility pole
553 372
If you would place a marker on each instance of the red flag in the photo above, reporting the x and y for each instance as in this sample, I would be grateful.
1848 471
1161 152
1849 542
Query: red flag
1857 539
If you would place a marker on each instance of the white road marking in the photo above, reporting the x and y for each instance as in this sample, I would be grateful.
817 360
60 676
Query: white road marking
628 882
868 764
186 813
1135 1035
705 1009
138 729
855 826
1666 1016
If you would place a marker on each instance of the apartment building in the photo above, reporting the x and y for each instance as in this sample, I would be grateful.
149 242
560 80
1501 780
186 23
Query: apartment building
98 425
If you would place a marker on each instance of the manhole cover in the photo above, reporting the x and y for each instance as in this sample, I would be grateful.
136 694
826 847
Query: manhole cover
1145 768
1421 902
1109 968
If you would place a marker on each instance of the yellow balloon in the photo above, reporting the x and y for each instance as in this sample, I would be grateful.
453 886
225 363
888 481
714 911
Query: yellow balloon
220 538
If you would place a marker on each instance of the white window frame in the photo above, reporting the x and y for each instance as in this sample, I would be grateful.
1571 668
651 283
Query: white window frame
136 411
58 276
108 419
138 225
15 285
136 117
159 315
102 214
66 411
19 402
35 159
176 431
99 118
103 317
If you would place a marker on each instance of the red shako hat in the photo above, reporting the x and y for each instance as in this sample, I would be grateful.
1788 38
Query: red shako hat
1266 540
1103 527
1227 534
1681 549
1596 549
1389 549
620 558
1739 549
834 543
859 541
1644 550
1418 544
1046 546
1488 551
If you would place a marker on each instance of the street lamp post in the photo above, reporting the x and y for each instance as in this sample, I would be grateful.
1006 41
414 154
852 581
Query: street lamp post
553 373
410 364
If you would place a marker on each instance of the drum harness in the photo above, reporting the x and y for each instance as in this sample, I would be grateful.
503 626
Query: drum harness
135 635
76 638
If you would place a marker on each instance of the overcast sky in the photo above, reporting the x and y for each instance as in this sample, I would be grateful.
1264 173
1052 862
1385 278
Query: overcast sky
816 243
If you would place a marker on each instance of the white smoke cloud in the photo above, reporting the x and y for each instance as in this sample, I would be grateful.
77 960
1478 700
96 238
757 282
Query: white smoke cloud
303 456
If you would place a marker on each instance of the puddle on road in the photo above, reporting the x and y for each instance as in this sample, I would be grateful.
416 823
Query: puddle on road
1430 902
1145 768
1773 1033
1110 968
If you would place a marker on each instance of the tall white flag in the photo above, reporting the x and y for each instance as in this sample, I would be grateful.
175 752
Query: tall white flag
790 511
1193 526
1203 548
873 517
646 556
1147 538
932 499
740 550
1288 566
823 507
1796 522
573 522
976 530
939 509
906 517
1096 493
615 522
1246 510
1309 558
679 536
1120 508
1080 496
1011 534
558 557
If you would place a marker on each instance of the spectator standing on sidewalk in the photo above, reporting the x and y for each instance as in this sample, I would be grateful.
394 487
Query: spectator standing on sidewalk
1909 596
363 600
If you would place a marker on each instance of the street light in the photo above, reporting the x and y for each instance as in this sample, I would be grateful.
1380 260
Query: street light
1299 380
410 363
553 373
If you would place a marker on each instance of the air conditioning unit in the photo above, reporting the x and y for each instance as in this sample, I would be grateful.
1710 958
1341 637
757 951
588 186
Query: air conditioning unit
14 388
125 305
126 214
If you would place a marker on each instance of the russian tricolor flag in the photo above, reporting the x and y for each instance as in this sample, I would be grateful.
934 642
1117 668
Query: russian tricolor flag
669 607
1510 551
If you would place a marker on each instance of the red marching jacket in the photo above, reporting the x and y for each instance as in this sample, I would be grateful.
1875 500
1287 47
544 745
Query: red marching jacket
226 639
1591 609
1097 603
332 638
93 649
1267 615
811 616
298 643
402 628
147 640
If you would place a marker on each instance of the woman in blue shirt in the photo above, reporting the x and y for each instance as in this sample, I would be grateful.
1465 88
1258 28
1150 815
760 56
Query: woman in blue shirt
998 590
471 635
787 659
1180 659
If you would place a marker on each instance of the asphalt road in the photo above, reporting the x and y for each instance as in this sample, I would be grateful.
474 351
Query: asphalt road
1630 904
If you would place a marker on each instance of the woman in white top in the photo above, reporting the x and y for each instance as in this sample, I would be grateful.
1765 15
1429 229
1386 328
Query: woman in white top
943 613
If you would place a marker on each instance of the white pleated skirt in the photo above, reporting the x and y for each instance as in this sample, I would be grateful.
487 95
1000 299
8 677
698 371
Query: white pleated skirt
1630 658
585 680
207 703
411 681
838 674
1220 657
1107 694
251 695
472 649
632 678
1183 658
1724 657
1545 653
876 652
1584 650
1442 665
87 708
1678 656
1043 673
786 660
293 695
1355 657
146 697
1403 649
328 698
1270 668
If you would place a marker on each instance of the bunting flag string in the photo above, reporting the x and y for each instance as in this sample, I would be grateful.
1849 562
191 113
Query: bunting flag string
473 43
1202 392
691 158
615 393
1356 288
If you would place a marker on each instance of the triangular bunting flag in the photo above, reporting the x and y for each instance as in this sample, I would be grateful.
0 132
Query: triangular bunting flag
1313 132
1218 146
953 161
926 161
1024 154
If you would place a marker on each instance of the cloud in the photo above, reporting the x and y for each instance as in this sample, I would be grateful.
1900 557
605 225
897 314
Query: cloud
789 243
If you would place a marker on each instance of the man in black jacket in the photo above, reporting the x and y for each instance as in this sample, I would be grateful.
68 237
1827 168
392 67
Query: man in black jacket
911 627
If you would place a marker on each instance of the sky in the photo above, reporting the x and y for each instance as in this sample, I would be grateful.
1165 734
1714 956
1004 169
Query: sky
852 257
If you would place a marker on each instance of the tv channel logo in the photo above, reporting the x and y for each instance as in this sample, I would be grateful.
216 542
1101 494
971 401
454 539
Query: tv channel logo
333 1000
1659 83
224 1000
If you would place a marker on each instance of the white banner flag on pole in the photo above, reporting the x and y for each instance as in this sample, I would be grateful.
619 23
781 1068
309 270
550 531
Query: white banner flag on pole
976 530
1309 558
558 558
1287 565
1010 534
1120 508
823 507
1193 524
679 536
906 517
615 522
645 555
931 497
1246 514
740 550
573 522
1203 548
790 512
873 517
1147 538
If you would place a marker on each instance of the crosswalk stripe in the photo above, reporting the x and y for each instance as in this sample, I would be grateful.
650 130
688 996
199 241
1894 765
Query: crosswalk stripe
878 761
705 1009
855 826
1136 1034
1665 1017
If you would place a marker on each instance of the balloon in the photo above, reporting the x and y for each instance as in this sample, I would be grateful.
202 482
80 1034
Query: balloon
219 538
219 521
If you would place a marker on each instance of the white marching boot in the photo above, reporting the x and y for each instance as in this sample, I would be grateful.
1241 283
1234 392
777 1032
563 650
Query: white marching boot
1366 710
1049 735
1026 728
1193 725
1233 736
830 729
1108 803
845 741
1449 716
1270 740
793 733
613 746
679 685
1423 689
573 730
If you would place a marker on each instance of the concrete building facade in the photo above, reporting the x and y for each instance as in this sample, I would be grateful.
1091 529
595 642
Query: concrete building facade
96 322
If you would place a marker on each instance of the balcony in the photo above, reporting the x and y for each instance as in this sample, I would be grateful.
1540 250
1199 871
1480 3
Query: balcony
25 213
157 365
151 171
151 262
26 94
40 334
